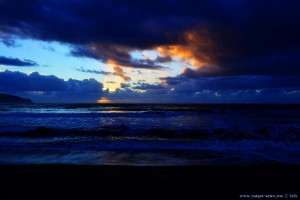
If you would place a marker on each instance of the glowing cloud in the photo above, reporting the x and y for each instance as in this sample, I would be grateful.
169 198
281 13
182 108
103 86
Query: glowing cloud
118 70
195 50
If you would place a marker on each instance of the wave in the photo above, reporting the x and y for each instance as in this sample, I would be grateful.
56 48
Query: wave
157 134
134 152
280 133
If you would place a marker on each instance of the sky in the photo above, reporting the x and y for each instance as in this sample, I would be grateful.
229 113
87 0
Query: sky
167 51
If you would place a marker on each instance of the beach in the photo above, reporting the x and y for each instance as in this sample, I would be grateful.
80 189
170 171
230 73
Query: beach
128 182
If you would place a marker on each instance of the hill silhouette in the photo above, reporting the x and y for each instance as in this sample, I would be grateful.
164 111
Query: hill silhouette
8 98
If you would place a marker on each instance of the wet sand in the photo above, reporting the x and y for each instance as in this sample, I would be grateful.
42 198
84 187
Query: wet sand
127 182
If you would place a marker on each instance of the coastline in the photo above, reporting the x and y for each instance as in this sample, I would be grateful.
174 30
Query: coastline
128 182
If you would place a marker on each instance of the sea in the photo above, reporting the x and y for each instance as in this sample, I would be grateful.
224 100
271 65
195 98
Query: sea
149 134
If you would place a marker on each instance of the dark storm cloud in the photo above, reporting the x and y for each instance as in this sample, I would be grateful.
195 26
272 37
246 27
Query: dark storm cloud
246 89
186 95
248 83
16 62
275 65
146 86
117 54
131 23
173 80
242 31
50 88
233 83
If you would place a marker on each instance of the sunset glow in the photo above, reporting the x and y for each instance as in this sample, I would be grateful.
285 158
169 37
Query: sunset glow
104 100
149 55
163 99
192 52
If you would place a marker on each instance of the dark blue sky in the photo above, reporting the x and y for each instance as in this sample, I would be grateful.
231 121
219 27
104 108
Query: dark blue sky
177 51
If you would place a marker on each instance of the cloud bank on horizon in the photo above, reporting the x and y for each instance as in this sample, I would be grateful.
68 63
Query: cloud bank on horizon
157 51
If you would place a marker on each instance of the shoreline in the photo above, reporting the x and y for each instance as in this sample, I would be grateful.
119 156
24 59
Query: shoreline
58 181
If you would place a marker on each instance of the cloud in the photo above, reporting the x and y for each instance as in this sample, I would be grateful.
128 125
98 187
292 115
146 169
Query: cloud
109 30
48 48
234 89
16 62
119 72
233 83
146 86
124 85
128 95
247 89
112 82
96 72
274 65
9 41
163 59
220 51
195 49
173 80
116 54
255 89
84 22
43 88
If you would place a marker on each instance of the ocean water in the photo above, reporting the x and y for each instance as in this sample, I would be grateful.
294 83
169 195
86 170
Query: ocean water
149 134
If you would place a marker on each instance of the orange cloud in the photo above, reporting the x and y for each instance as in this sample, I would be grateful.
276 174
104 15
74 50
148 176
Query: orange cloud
118 70
194 51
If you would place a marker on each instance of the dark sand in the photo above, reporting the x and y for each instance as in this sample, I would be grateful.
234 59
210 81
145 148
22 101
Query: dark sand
122 182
